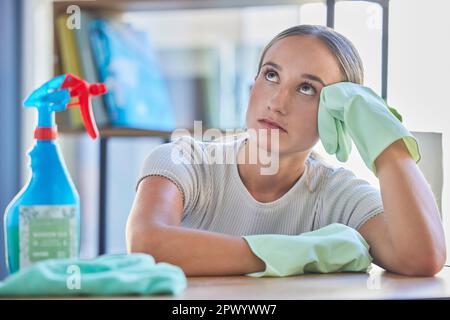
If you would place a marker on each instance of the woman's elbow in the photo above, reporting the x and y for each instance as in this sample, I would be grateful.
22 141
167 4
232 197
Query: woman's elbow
139 239
423 265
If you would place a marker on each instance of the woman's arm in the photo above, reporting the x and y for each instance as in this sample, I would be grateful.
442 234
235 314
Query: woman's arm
408 238
153 228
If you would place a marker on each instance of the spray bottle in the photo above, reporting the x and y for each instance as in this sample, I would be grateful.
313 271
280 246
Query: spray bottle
43 220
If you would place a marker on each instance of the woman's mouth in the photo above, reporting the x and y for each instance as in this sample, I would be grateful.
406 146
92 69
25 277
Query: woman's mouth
271 125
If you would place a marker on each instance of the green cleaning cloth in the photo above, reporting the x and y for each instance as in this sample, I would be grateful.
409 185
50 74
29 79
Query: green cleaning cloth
349 110
116 274
334 248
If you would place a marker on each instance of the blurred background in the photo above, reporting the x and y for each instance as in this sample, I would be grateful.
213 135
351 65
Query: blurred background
195 60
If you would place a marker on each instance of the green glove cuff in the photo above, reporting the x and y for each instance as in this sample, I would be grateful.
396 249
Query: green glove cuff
334 248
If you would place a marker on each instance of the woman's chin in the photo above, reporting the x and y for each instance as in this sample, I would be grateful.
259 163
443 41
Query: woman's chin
269 145
268 140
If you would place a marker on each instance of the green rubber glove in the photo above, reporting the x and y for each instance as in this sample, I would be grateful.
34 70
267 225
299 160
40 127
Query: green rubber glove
334 248
350 111
120 274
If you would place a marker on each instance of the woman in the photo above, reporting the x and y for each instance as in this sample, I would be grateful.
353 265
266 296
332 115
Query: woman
194 214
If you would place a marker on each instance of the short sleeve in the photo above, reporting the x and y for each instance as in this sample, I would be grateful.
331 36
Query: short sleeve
349 200
180 162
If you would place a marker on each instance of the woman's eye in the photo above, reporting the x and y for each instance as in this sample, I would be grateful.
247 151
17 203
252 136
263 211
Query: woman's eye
307 89
271 76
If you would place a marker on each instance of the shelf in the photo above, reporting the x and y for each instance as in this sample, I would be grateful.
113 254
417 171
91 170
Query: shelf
125 132
149 5
118 132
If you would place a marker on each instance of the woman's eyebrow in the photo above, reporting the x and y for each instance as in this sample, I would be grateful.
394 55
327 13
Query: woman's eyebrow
273 64
313 78
305 75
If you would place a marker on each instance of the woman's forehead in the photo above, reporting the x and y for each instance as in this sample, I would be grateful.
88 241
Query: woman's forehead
306 54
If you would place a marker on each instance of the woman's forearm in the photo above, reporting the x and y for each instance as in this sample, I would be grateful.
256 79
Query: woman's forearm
197 252
410 208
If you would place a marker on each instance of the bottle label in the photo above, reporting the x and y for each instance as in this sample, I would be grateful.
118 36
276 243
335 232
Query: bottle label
47 232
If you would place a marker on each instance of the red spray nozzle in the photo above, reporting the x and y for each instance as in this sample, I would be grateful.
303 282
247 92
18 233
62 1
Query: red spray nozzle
83 90
96 89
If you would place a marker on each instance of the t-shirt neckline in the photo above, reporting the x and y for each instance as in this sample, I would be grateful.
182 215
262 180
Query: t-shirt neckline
240 184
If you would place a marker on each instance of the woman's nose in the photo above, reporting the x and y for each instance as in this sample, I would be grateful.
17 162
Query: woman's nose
279 101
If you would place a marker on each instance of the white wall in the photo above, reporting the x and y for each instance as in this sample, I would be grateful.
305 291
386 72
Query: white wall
37 61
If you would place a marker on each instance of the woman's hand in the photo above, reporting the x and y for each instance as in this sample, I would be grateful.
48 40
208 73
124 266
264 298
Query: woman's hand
349 110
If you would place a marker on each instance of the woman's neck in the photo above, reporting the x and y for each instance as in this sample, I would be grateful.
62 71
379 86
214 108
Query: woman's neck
268 188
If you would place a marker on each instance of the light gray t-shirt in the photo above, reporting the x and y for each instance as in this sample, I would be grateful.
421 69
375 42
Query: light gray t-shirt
215 198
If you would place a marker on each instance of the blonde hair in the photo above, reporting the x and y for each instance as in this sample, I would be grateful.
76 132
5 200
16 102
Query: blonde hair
342 48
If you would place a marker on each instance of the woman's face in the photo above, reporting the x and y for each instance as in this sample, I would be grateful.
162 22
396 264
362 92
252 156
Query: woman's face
287 90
